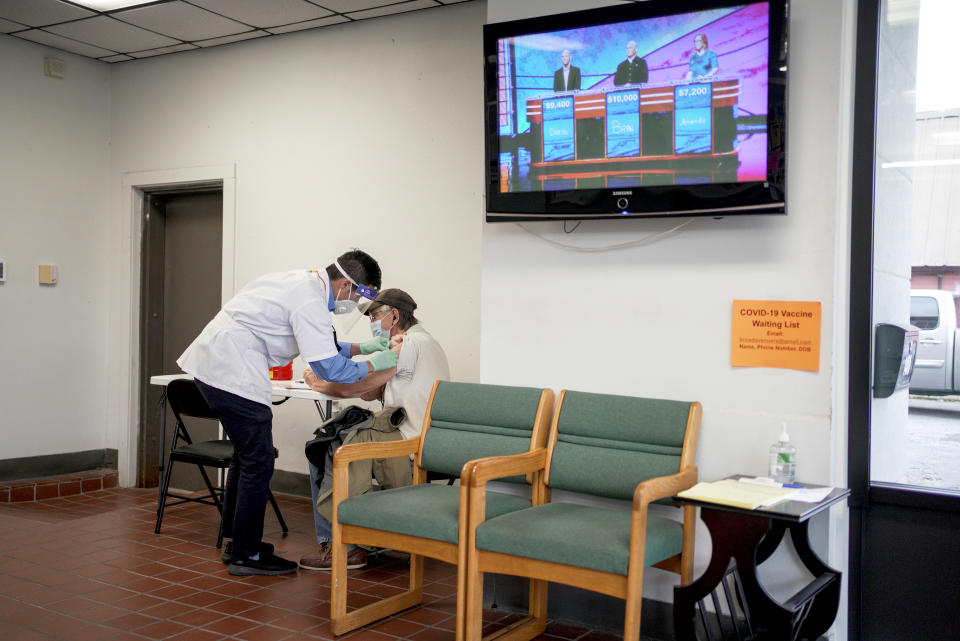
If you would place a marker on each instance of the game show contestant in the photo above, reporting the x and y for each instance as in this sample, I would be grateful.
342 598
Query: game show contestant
567 77
269 322
703 61
633 70
421 363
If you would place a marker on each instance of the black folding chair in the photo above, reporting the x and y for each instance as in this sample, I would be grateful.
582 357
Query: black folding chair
185 399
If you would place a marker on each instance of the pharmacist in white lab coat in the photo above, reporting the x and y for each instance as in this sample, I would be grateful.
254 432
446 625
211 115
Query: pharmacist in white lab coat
269 322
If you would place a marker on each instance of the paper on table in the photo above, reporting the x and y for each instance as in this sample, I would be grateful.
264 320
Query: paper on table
811 494
290 384
730 492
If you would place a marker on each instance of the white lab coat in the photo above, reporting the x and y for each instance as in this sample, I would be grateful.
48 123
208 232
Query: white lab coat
267 324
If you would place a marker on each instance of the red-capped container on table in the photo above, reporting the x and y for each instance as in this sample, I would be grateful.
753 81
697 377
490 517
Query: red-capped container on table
282 373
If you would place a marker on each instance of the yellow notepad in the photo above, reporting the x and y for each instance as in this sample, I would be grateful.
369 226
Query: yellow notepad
736 494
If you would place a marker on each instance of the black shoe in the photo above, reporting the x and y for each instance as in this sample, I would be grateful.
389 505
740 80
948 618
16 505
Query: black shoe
267 564
228 550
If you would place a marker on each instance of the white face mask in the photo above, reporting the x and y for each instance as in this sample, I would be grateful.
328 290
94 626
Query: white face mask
344 306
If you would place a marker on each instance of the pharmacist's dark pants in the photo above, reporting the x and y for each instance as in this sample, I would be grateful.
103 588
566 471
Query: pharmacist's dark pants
250 426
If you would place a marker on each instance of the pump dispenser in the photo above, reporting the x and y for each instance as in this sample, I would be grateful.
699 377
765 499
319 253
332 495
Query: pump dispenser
783 459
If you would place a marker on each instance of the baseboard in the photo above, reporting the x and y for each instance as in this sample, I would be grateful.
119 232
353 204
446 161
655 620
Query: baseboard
295 483
31 467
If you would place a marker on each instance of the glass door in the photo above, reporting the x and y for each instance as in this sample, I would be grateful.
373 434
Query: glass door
904 450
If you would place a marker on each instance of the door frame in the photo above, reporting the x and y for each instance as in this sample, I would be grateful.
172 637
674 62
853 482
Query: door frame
125 332
865 494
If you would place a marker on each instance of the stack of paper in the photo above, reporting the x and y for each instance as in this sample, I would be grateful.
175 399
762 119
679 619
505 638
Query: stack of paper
730 492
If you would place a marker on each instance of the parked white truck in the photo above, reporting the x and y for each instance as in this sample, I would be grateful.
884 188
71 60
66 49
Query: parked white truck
937 369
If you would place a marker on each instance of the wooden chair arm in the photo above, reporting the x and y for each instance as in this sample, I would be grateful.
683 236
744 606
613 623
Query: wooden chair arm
362 451
494 467
662 487
473 483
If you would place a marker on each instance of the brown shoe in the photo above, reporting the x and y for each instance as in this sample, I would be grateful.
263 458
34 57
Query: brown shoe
356 558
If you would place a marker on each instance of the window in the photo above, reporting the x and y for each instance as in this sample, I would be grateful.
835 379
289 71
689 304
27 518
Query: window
924 313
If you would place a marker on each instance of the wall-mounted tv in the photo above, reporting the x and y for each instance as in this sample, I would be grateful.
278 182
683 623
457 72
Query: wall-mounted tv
656 108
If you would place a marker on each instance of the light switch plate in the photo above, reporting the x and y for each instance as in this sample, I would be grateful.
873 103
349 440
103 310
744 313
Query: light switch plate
48 274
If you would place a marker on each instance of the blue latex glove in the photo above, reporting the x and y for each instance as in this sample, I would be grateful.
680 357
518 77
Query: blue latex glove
374 345
384 360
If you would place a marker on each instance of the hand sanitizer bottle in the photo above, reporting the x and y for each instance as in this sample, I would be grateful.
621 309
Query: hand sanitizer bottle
783 459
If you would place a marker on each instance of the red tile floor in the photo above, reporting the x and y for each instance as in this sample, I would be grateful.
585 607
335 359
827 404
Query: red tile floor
89 568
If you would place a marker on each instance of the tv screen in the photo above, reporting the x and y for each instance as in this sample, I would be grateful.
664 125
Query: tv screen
657 108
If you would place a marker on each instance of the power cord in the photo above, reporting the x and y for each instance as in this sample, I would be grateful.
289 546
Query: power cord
631 243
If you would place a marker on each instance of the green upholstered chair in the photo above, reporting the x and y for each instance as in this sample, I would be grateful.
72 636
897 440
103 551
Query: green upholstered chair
616 447
464 421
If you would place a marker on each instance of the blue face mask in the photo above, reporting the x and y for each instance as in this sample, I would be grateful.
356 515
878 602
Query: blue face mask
378 331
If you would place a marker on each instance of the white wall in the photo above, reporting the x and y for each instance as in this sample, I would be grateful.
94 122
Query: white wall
360 135
655 320
54 169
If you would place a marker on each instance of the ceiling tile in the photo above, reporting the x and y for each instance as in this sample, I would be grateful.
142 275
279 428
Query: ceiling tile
53 40
161 27
162 50
181 20
6 26
118 58
343 6
399 7
309 24
265 14
38 13
112 34
228 39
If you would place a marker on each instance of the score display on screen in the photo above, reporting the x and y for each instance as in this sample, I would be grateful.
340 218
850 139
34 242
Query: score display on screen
678 99
693 119
558 137
623 124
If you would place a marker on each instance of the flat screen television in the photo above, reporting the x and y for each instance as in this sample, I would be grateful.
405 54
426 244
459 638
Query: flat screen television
656 108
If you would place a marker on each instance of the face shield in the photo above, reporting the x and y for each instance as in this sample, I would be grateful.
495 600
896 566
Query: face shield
354 297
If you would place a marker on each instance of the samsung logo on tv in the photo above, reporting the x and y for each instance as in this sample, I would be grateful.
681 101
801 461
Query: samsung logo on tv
622 193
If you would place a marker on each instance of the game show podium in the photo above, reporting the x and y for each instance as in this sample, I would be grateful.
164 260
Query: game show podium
653 126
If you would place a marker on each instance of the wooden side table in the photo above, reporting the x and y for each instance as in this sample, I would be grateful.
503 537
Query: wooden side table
742 540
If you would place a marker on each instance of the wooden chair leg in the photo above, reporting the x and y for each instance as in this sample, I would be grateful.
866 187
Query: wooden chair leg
338 585
342 621
538 602
631 619
473 611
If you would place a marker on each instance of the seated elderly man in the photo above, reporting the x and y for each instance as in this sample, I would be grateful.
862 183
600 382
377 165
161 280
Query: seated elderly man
421 361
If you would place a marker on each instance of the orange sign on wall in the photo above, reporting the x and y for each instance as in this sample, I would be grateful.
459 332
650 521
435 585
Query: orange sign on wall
773 333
